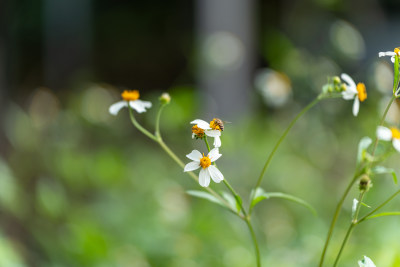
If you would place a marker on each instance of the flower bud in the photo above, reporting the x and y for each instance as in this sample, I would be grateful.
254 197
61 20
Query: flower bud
165 98
336 80
365 183
343 87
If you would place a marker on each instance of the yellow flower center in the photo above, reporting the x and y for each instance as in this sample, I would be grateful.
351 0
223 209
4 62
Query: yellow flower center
397 50
130 95
205 162
198 131
216 124
362 91
395 133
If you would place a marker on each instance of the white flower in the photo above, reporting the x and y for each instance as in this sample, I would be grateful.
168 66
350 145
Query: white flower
390 54
130 97
212 129
366 262
392 134
207 170
357 92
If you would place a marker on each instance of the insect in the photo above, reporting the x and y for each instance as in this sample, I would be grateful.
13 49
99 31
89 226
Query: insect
218 124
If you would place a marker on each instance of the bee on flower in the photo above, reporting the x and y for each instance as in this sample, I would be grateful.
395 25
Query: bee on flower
131 98
207 170
392 134
352 91
212 129
391 54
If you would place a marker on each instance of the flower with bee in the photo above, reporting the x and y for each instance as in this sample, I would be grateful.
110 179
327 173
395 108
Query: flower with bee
212 129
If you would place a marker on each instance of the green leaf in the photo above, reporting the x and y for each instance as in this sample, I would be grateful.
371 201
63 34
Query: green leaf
393 213
205 195
384 170
261 195
396 73
234 201
364 143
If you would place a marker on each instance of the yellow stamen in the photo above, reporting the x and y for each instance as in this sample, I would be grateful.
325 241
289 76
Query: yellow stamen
214 125
397 50
198 131
205 162
130 95
395 133
362 91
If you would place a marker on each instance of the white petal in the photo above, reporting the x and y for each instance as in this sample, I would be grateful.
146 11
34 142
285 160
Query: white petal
191 166
397 92
204 178
396 144
356 106
139 105
345 77
201 124
392 59
195 155
348 95
354 207
215 174
214 154
388 53
366 262
383 133
116 107
217 142
213 133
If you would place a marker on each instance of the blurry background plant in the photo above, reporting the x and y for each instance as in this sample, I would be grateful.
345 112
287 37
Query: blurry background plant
79 188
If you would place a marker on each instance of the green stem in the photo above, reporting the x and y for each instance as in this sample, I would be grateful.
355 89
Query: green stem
340 204
271 155
245 217
334 219
379 207
158 133
254 238
139 127
351 227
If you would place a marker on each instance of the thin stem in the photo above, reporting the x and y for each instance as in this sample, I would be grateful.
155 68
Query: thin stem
253 236
340 204
344 243
379 207
335 217
350 230
158 133
140 127
245 217
271 155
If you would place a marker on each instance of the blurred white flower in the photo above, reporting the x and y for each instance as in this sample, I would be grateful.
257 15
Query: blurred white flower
207 170
130 97
390 53
357 92
392 134
366 262
212 129
354 207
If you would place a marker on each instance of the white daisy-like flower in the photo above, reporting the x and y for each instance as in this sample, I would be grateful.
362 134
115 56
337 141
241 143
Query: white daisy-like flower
207 170
366 262
212 129
390 54
357 92
392 134
131 98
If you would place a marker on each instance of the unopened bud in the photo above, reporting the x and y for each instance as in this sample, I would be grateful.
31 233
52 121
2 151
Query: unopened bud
343 87
365 183
336 80
165 98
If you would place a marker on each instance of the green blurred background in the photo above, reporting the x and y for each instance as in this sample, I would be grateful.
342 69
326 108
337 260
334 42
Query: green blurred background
79 187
